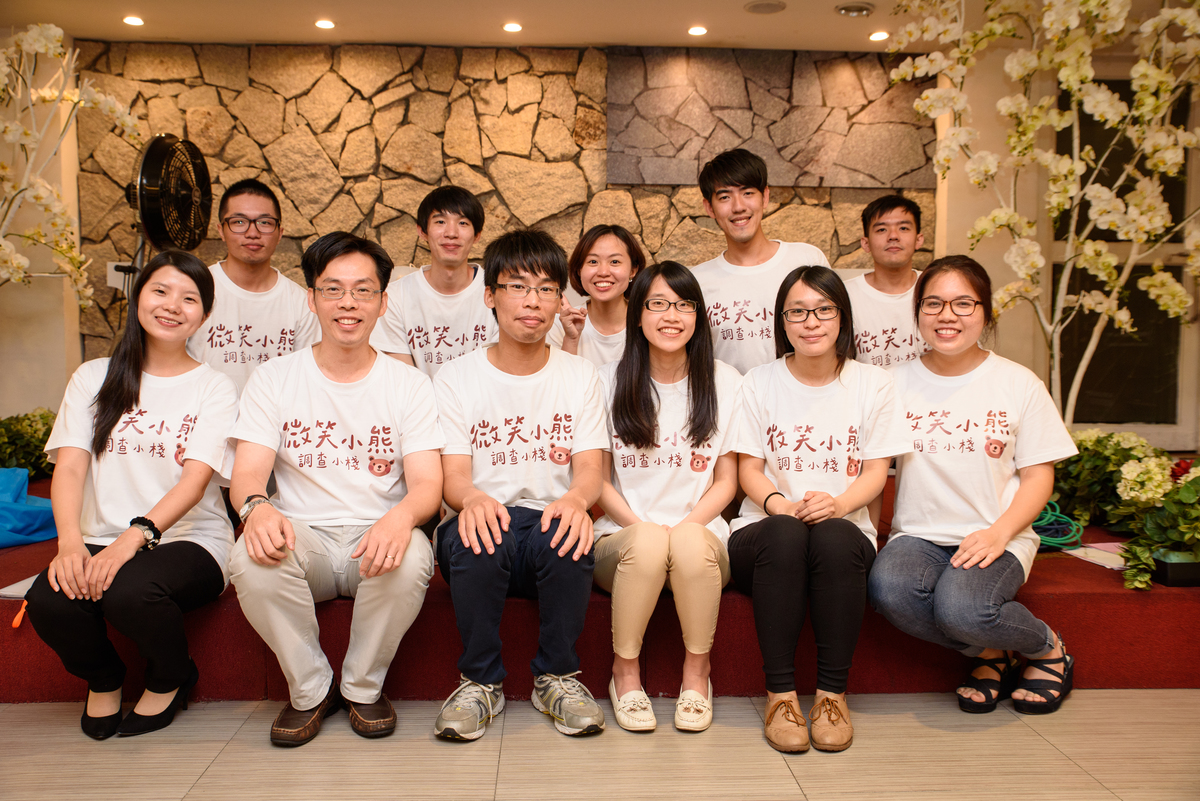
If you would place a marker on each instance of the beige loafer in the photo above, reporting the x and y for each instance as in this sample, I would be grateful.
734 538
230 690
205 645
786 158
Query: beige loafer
694 712
632 710
831 726
785 727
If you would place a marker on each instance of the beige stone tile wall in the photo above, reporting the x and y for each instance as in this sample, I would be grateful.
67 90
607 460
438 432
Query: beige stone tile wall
353 137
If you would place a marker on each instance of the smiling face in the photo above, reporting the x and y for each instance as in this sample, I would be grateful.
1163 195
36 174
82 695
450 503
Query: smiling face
450 238
812 338
667 331
946 332
738 211
169 306
348 322
893 239
523 319
250 247
606 270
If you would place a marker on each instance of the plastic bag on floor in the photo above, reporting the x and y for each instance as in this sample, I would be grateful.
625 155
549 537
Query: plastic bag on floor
22 519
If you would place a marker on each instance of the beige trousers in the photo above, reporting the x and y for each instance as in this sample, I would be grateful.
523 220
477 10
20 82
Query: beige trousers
280 602
636 562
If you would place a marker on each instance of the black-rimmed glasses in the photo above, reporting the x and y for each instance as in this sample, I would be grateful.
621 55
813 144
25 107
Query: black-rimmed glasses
800 315
662 304
240 225
361 294
963 307
522 290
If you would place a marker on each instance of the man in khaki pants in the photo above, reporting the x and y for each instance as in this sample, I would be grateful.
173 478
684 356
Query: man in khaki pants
354 440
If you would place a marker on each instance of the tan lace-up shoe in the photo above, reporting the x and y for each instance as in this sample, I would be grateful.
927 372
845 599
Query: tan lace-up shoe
785 728
831 726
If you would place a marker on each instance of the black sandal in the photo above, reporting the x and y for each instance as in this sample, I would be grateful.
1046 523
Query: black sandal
1044 687
995 690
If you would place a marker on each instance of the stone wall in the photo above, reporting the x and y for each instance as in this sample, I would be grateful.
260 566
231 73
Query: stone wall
353 137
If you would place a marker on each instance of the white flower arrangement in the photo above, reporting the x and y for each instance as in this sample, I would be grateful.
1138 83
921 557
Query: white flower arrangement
1060 37
33 130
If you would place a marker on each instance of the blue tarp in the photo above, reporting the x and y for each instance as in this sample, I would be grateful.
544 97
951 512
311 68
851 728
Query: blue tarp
22 519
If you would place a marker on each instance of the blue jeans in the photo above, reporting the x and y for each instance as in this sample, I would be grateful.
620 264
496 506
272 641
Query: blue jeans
523 566
914 586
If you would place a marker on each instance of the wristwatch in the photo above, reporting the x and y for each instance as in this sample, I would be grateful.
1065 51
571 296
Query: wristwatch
251 502
150 533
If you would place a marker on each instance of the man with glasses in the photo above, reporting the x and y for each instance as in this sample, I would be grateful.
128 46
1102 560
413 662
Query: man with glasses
525 427
354 441
257 314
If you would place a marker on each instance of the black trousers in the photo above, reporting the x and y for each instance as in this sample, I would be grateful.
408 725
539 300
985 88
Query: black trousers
791 569
146 603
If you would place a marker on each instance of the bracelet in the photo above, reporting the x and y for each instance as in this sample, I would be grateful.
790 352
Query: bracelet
769 497
147 526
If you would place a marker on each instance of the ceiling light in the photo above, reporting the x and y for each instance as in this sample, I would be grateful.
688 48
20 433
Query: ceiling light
325 23
133 21
698 30
512 27
765 6
879 36
855 9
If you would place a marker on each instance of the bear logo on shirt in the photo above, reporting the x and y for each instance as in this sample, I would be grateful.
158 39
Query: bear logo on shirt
993 448
852 466
380 467
559 454
699 462
179 451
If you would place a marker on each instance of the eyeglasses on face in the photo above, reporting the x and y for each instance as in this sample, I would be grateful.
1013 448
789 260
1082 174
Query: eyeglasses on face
662 304
800 315
963 307
240 225
361 293
521 290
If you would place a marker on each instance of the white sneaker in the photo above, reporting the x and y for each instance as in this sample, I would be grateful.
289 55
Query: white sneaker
694 712
632 709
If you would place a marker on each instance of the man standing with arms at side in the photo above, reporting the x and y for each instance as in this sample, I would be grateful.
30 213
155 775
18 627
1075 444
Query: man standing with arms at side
355 444
436 313
525 428
258 314
740 285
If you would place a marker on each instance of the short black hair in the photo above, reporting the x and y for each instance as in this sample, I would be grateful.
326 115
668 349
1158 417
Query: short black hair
733 168
339 243
248 186
882 205
450 200
829 285
534 252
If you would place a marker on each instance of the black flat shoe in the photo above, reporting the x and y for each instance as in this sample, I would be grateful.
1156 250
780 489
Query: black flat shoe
100 728
135 724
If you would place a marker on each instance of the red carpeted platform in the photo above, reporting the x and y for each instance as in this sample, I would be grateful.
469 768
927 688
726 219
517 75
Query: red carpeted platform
1120 638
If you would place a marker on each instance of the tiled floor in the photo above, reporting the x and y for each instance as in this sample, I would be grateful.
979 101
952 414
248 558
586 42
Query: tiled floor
1135 745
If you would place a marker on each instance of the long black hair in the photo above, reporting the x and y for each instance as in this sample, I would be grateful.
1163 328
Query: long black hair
634 397
829 285
123 384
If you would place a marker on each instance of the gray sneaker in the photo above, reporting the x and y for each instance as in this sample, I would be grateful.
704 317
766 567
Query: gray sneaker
466 712
570 704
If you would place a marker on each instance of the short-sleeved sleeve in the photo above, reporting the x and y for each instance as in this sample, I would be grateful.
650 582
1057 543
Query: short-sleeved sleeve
450 410
883 425
1043 437
259 418
421 431
749 420
391 334
591 430
76 416
208 441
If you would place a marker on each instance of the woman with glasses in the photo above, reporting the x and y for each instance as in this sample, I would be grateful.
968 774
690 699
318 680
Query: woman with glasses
142 536
986 437
668 476
817 432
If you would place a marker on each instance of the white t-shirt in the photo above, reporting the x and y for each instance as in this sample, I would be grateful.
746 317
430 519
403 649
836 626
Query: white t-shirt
599 349
183 417
885 331
431 327
741 302
246 329
339 448
816 438
520 431
664 483
971 434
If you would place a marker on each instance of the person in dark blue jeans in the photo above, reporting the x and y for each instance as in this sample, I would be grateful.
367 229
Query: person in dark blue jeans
525 427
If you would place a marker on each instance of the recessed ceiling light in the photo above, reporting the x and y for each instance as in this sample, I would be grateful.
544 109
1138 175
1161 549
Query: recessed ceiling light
855 9
325 23
698 30
765 6
512 27
133 21
879 36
